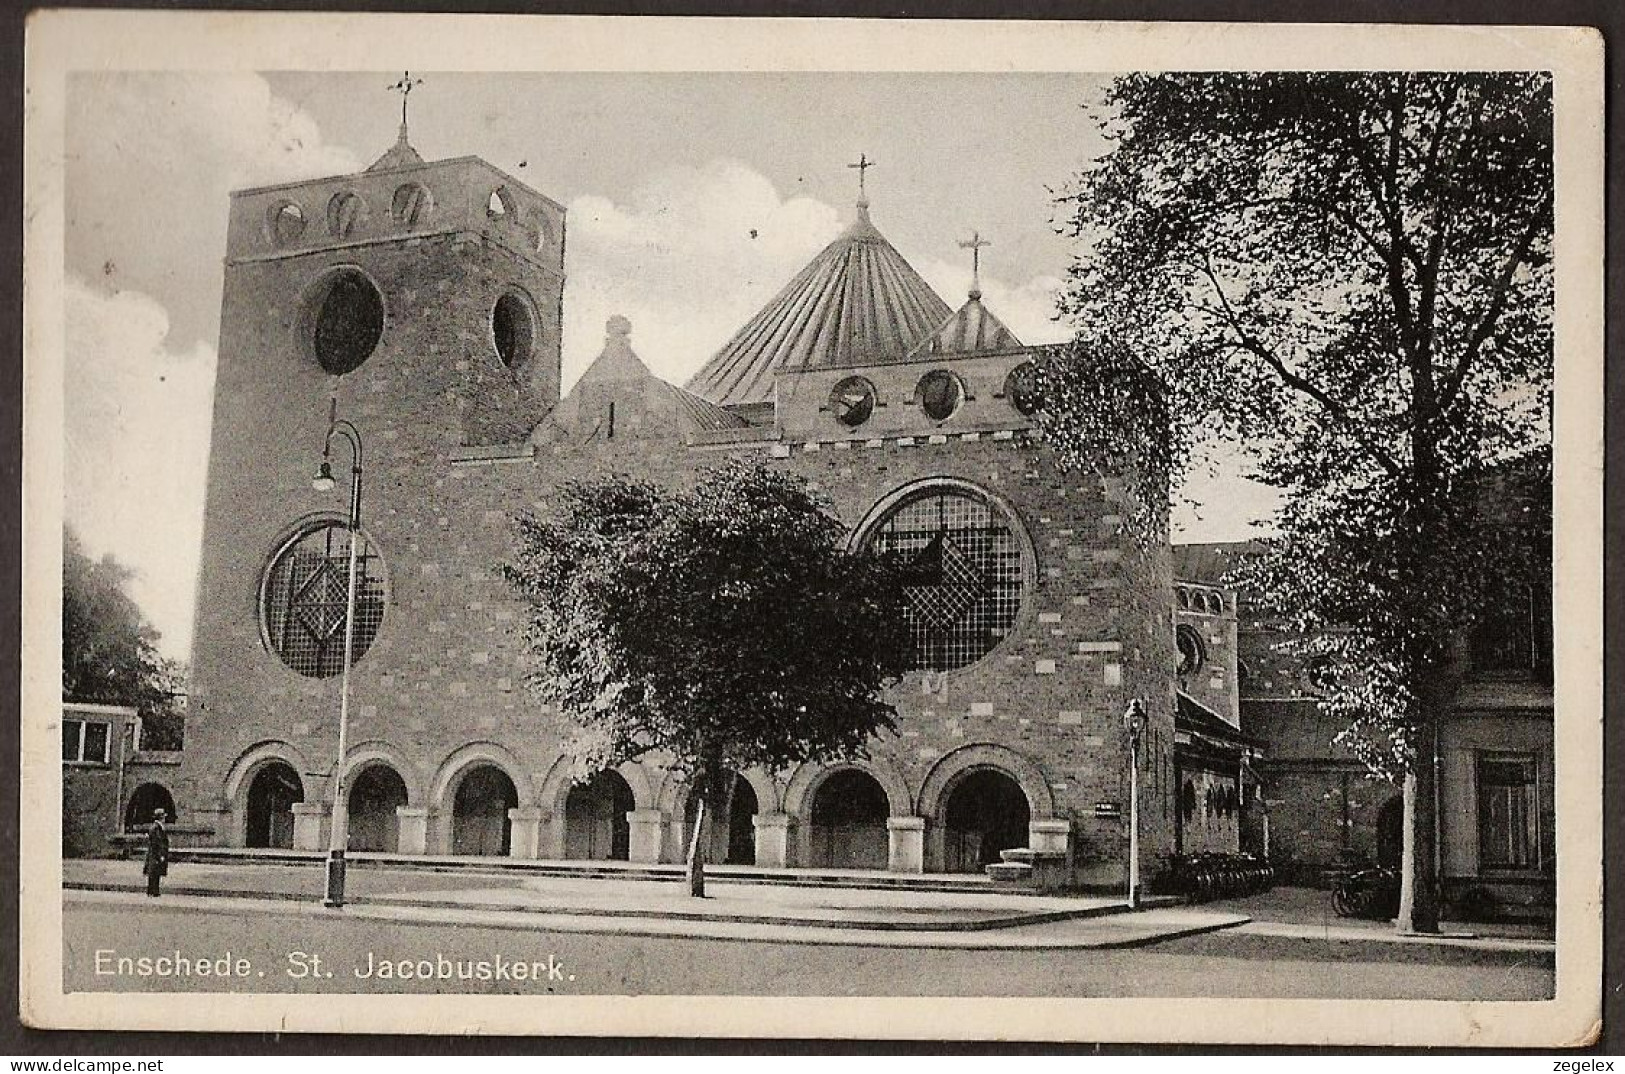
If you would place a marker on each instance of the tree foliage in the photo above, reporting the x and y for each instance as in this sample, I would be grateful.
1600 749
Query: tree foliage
1350 275
109 650
721 627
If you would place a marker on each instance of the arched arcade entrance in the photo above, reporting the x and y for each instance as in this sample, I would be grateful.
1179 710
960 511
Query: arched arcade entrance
595 823
983 812
733 842
147 797
479 820
275 790
373 796
849 812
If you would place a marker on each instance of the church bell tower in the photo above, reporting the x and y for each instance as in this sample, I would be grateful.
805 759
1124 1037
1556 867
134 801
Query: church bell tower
421 301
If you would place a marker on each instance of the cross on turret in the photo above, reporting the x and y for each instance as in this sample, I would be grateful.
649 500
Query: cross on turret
974 244
863 165
404 87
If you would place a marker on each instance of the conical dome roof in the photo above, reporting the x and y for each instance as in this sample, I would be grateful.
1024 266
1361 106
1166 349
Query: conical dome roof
971 329
856 302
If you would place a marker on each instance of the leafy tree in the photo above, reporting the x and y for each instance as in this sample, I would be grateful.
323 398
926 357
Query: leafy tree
109 650
1349 274
720 627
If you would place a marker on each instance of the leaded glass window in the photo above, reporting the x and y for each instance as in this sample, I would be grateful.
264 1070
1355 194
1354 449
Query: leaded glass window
963 561
302 601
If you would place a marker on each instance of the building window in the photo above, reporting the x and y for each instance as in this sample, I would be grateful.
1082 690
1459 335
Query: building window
1504 638
86 741
302 600
1508 813
285 223
940 393
1021 388
1192 653
853 401
513 330
962 557
410 204
342 321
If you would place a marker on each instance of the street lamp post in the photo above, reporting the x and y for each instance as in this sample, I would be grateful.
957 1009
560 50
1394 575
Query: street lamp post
339 828
1134 723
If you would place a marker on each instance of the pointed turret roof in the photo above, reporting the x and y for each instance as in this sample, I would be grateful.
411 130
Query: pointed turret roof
968 330
857 302
400 155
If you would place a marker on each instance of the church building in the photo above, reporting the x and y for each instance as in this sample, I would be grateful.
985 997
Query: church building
422 302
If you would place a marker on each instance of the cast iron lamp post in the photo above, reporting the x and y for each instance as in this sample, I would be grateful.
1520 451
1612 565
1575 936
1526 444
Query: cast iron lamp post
1134 723
339 827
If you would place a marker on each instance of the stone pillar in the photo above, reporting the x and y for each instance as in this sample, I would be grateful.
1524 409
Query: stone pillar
310 826
412 830
525 833
217 816
1049 836
648 829
553 836
907 837
772 839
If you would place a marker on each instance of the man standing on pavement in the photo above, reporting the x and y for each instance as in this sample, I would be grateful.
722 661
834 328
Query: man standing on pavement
157 852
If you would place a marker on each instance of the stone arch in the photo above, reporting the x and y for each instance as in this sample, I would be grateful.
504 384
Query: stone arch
561 777
257 756
804 784
454 767
674 791
143 800
956 764
375 752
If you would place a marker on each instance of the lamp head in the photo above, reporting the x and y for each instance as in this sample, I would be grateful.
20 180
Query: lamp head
1134 718
323 481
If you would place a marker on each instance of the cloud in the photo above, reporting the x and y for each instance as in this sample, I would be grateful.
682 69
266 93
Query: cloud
695 252
137 422
150 160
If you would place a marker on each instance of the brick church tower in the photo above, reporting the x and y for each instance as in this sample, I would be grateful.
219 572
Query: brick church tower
422 301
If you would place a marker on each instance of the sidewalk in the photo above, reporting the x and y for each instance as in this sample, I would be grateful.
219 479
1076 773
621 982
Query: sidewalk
731 911
1307 913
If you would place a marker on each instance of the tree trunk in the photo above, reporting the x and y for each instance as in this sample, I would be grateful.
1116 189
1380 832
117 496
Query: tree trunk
697 843
1419 882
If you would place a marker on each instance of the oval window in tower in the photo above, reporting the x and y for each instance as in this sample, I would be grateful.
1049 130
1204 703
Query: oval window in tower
345 212
853 401
303 599
1192 653
285 223
1021 388
940 393
513 329
344 320
410 204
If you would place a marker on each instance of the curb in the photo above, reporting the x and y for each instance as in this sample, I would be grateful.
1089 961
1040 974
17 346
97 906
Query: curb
989 924
793 936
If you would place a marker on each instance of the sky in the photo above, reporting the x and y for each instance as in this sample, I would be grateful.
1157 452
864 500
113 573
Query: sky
691 199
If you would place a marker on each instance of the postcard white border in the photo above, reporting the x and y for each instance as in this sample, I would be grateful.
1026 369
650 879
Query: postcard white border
59 42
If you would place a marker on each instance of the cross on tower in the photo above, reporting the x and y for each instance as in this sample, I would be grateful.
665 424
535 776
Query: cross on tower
404 88
974 244
863 165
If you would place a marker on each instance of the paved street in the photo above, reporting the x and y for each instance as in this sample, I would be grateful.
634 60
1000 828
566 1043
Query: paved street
276 947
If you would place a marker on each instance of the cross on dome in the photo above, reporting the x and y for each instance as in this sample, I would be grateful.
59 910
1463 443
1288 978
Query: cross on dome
974 244
863 165
404 87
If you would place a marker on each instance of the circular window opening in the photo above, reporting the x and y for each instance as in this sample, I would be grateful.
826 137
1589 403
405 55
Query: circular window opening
1192 653
961 558
345 321
286 222
853 401
410 204
304 595
940 394
513 329
344 213
1021 388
